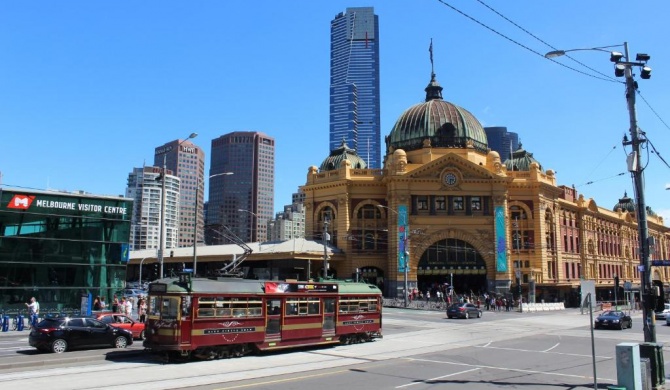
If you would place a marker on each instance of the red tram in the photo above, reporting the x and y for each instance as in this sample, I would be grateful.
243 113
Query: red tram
229 317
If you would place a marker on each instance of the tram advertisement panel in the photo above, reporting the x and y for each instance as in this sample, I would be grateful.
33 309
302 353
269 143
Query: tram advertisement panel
283 287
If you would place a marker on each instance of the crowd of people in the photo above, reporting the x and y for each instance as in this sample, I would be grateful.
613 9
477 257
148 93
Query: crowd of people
133 308
442 293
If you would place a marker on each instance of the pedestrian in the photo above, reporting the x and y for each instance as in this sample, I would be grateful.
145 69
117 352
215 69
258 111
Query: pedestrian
129 307
103 304
115 304
96 304
33 311
142 310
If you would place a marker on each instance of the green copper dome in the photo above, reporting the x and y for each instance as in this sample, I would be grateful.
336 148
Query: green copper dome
441 123
625 204
521 160
334 160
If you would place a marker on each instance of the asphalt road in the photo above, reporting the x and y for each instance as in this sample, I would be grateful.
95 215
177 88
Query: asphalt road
420 350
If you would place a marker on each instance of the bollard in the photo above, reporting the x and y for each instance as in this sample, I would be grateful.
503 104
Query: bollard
19 322
5 323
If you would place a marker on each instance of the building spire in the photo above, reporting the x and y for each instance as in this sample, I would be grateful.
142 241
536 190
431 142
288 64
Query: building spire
430 50
433 90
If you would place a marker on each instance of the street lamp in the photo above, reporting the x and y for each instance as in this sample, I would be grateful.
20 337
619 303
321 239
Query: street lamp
624 68
142 261
195 223
404 255
161 251
254 222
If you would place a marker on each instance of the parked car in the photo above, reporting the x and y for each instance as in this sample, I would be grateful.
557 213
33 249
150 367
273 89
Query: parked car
663 315
61 334
613 319
124 322
463 310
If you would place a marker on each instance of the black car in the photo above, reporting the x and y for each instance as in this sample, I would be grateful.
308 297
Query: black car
64 333
463 310
613 319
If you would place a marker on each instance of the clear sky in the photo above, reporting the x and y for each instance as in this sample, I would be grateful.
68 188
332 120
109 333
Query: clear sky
88 89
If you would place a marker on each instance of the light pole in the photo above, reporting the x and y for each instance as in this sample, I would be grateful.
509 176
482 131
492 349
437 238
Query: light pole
195 224
404 255
625 69
616 287
325 248
254 222
142 261
161 251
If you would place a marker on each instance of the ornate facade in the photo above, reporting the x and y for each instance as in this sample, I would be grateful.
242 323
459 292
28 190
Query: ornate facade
446 205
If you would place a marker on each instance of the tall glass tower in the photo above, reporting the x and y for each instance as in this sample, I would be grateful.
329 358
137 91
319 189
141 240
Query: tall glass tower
354 83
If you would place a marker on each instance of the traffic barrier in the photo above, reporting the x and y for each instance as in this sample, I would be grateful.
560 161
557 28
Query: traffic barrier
19 325
534 307
5 323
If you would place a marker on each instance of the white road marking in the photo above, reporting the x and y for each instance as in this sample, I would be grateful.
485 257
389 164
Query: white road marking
547 350
436 378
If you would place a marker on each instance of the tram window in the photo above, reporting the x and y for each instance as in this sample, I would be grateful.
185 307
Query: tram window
273 307
329 305
167 308
223 312
205 312
313 307
291 308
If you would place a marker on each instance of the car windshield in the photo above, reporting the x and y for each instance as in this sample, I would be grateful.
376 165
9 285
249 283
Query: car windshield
612 313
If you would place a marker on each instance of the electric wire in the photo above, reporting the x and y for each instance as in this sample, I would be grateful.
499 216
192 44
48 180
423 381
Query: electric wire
610 78
652 109
522 45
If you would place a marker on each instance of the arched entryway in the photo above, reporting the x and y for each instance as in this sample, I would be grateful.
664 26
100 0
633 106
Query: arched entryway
455 262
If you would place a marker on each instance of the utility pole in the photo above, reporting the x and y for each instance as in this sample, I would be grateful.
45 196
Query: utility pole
161 251
325 248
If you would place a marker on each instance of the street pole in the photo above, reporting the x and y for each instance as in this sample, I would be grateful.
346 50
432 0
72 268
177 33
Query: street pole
405 268
325 248
161 251
142 261
635 166
195 231
616 287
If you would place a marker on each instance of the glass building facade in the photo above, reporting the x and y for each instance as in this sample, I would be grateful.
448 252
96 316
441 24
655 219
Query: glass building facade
502 141
57 246
354 83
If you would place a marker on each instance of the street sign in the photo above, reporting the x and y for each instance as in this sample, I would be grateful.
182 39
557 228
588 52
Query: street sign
660 263
627 286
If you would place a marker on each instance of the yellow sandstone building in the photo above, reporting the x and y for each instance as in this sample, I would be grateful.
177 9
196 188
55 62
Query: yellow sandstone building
446 205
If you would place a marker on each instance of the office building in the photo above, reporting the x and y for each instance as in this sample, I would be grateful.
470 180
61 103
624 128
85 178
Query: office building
145 188
187 161
502 141
241 197
54 246
288 224
354 83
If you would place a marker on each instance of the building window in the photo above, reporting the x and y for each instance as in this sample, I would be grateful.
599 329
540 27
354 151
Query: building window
422 203
458 203
476 203
440 203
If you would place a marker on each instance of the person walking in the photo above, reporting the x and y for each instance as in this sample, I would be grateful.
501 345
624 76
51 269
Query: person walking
33 311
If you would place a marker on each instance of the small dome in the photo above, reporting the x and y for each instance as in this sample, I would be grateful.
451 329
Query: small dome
625 204
443 124
521 160
334 160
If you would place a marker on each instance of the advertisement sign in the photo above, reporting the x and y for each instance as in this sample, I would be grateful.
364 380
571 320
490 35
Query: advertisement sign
403 225
501 240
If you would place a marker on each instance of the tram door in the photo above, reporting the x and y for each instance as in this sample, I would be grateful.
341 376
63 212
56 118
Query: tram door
328 316
273 324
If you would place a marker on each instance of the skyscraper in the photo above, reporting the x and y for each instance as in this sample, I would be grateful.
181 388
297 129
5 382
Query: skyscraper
187 161
502 141
145 188
354 83
244 201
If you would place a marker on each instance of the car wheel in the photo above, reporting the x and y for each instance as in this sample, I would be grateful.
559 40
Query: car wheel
467 315
59 346
621 325
450 317
120 342
142 335
630 324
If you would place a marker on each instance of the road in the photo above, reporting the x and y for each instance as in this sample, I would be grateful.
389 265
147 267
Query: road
420 350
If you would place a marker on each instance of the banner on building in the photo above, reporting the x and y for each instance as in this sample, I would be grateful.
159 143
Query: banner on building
501 241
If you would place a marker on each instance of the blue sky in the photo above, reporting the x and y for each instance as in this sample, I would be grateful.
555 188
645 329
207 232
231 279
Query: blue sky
89 88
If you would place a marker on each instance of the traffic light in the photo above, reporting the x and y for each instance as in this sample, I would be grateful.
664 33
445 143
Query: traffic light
616 281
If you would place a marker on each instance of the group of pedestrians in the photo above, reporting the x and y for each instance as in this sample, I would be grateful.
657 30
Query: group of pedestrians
124 305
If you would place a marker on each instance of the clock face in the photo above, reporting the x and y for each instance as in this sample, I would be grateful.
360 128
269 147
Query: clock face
450 179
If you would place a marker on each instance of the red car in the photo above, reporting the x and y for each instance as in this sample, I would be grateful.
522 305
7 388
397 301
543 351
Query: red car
124 322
